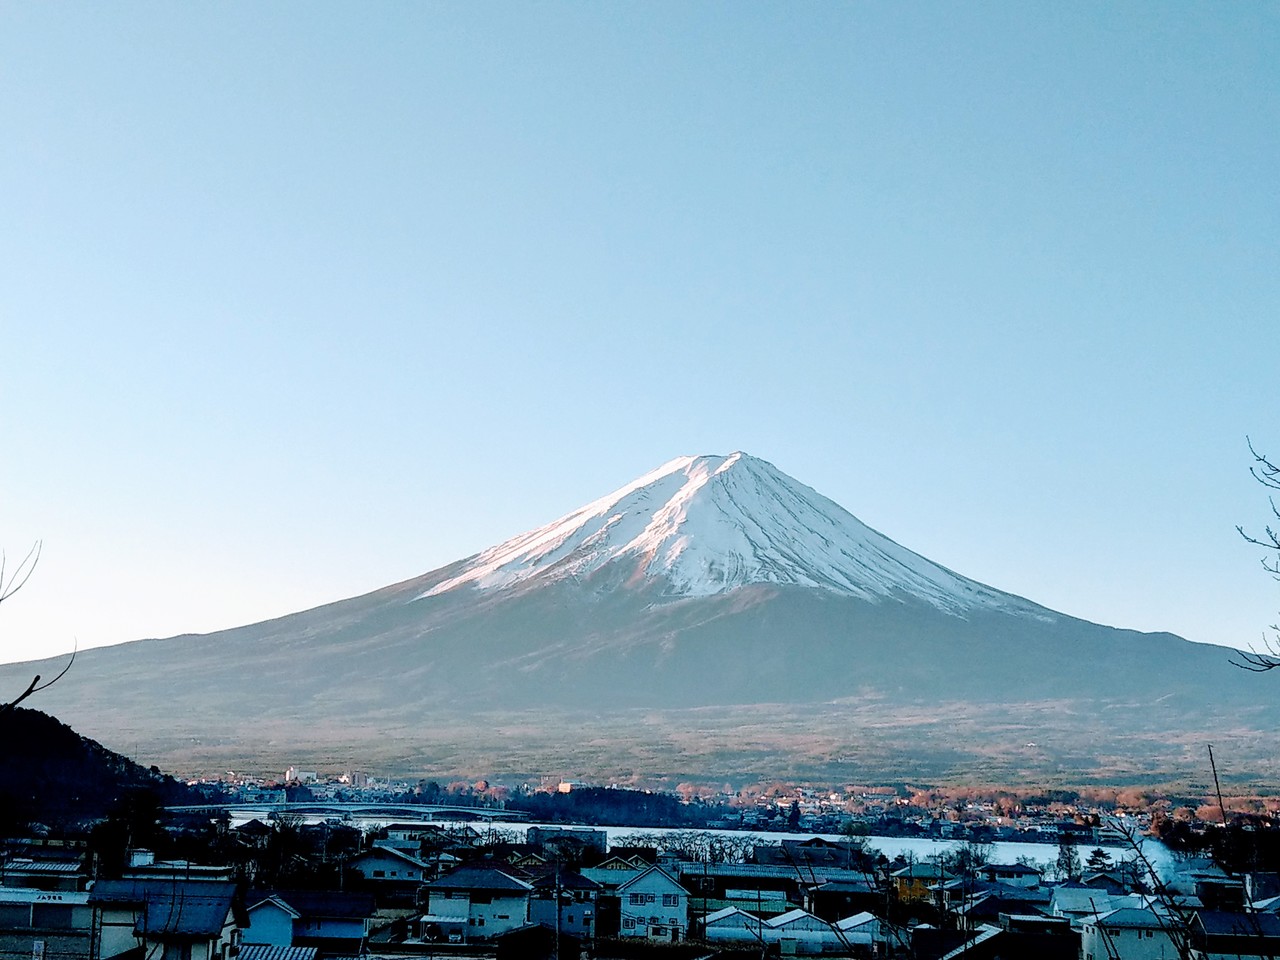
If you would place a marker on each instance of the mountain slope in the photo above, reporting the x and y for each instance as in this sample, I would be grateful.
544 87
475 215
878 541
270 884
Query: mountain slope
671 615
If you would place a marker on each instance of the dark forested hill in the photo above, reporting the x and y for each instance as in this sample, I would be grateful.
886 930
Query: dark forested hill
51 775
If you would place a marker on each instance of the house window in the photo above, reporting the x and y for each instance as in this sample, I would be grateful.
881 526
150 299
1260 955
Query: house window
670 900
629 924
636 899
379 873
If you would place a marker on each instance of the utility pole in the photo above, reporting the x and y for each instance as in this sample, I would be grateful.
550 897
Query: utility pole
557 953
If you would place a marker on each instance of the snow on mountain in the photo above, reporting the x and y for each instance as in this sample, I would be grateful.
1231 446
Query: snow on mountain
704 525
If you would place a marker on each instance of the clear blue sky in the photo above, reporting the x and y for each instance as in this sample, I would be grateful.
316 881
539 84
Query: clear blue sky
300 300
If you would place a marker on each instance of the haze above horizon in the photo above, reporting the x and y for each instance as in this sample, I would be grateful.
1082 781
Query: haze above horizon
296 306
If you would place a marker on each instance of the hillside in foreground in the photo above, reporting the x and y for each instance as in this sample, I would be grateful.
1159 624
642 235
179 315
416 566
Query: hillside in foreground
51 775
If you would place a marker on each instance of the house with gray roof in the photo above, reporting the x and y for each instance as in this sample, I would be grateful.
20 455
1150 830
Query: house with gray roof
335 921
478 901
155 919
1131 933
654 906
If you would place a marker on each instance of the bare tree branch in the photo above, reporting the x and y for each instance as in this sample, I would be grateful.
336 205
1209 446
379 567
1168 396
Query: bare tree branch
11 584
19 577
1267 473
35 686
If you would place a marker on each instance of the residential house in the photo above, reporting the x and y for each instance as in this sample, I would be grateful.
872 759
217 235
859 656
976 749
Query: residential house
913 882
815 852
1130 934
654 906
842 898
1219 935
1109 881
44 874
567 842
1011 874
331 920
762 889
156 919
479 902
143 865
382 865
1044 938
565 901
1078 903
393 875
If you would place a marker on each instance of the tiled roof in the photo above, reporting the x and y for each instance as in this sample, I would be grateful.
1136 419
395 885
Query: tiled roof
138 891
1127 917
330 904
1221 923
479 878
567 879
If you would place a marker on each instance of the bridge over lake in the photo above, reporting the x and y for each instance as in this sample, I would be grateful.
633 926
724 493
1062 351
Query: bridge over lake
349 810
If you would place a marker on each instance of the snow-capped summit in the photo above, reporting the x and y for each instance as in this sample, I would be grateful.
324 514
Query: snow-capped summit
704 525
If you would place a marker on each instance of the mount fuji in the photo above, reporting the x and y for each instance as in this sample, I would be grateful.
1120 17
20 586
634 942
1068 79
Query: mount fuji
714 618
706 525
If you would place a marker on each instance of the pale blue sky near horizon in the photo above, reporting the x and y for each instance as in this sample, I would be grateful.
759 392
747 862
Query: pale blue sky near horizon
297 301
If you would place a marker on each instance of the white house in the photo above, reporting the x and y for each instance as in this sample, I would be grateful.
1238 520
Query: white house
388 864
1011 874
1128 934
1079 903
654 906
479 902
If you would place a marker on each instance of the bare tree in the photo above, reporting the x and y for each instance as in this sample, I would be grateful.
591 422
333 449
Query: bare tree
10 583
1267 473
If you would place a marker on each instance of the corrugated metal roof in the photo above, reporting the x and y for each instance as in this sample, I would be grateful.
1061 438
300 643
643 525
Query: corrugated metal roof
256 951
183 916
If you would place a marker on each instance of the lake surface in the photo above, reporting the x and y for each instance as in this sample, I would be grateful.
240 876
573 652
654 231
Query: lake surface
921 849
